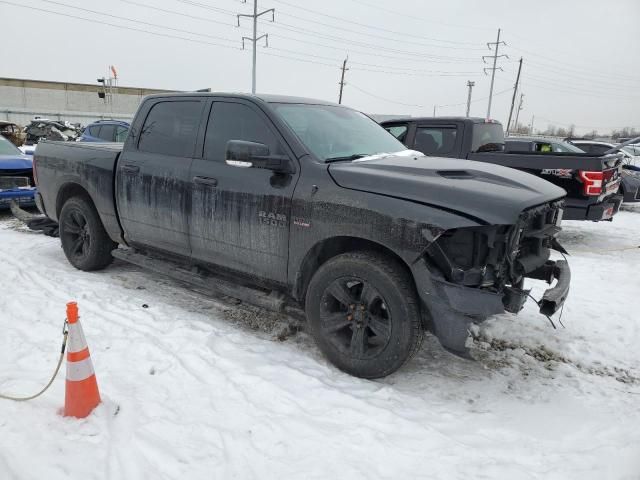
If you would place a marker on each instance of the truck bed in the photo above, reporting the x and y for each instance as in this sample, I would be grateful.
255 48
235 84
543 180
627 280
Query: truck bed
91 165
549 160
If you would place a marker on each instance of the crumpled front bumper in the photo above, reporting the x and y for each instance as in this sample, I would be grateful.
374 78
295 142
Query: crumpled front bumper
453 308
553 298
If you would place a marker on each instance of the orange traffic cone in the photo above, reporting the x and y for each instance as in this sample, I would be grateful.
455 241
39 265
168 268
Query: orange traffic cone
81 395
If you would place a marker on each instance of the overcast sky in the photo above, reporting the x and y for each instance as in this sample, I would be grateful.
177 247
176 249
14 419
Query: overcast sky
581 57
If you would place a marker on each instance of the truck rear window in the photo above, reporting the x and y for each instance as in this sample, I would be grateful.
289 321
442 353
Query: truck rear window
487 137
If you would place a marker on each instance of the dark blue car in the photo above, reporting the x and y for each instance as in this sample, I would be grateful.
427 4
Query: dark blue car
16 176
105 131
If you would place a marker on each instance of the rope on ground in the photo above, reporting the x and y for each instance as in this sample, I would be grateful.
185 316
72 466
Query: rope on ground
65 334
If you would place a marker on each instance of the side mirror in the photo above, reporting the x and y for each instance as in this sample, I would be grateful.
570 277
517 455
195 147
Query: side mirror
244 154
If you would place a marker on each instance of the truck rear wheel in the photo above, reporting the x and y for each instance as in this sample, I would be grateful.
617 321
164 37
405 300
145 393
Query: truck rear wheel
84 239
363 313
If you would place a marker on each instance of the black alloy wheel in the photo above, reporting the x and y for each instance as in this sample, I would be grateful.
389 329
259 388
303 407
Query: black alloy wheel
355 317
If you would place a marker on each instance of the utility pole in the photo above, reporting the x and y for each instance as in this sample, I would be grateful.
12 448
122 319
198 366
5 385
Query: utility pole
531 126
513 99
434 110
342 84
493 69
255 37
519 108
470 84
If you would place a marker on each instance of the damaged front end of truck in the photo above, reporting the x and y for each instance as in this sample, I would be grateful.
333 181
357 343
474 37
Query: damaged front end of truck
467 274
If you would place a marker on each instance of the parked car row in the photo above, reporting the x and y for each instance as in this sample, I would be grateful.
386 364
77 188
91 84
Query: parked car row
27 138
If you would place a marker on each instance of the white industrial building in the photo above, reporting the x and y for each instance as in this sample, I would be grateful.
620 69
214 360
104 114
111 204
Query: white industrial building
21 100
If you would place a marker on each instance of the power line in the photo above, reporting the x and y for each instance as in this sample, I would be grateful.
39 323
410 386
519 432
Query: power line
552 122
394 71
420 19
573 90
338 39
561 65
376 36
126 19
597 84
378 29
173 12
123 27
278 35
372 53
373 95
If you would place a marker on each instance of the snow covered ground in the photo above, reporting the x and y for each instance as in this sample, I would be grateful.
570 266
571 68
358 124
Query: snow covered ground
195 388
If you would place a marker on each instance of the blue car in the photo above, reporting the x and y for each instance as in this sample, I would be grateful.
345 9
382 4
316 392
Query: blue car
105 131
16 176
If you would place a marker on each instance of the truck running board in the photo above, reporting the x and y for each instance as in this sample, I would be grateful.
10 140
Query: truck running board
204 282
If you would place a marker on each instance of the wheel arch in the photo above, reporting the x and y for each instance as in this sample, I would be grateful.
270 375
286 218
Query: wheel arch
328 248
69 190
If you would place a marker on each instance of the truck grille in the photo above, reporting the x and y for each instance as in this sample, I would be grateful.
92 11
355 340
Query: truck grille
534 234
496 256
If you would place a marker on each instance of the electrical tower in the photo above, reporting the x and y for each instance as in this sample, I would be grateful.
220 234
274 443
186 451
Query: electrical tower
342 82
493 69
470 84
255 37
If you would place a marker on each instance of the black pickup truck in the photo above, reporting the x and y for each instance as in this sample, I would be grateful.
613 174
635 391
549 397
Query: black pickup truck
288 202
591 181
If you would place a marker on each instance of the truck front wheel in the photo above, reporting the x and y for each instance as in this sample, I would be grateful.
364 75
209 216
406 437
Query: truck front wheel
363 313
84 239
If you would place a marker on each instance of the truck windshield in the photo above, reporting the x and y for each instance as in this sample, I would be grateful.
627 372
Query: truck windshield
337 133
8 148
487 137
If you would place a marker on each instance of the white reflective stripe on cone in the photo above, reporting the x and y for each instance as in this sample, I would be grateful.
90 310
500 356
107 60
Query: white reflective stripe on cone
77 342
81 370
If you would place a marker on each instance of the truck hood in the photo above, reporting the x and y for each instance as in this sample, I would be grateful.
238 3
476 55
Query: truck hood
15 162
489 193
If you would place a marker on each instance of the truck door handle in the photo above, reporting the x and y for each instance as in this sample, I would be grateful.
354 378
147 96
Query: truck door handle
212 182
130 169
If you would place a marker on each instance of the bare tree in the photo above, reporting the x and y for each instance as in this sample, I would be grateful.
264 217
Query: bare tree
625 132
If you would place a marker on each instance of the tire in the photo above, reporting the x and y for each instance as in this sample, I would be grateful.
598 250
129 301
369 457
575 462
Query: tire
84 239
363 312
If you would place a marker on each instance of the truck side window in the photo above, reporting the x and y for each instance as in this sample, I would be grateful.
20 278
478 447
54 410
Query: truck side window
171 128
398 131
234 121
543 147
435 140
